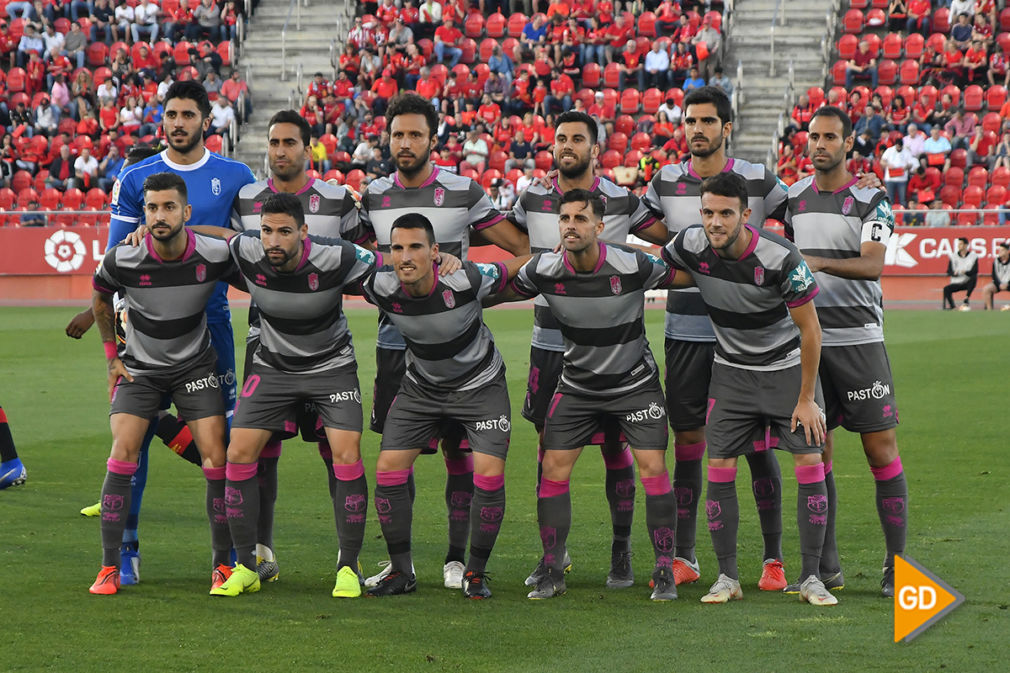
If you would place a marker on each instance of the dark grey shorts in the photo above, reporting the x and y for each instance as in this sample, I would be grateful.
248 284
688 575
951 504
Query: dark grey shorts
272 399
752 410
545 372
195 391
858 388
688 373
575 419
389 368
419 413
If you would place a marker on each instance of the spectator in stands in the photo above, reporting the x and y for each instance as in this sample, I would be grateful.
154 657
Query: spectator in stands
719 80
631 70
534 33
897 15
937 149
525 180
131 116
961 128
657 67
672 111
222 116
520 153
30 41
981 148
681 61
400 35
34 217
960 32
998 72
897 161
915 141
937 215
447 38
229 21
123 16
377 166
501 199
384 89
145 21
666 18
59 93
663 129
1001 156
920 190
958 7
496 89
61 170
618 34
803 111
693 81
684 31
177 21
975 64
430 17
85 170
53 39
861 66
918 16
47 117
709 42
501 64
562 88
871 121
108 168
212 83
593 45
235 86
982 31
206 22
899 114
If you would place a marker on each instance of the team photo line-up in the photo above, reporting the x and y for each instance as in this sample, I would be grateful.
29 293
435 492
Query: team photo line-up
766 338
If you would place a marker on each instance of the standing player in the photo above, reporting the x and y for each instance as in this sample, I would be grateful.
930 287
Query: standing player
166 283
212 182
305 353
12 471
454 373
536 212
456 206
609 380
758 290
842 231
330 211
674 195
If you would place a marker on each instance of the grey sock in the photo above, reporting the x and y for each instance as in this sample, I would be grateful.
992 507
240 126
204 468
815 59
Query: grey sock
395 510
554 515
723 511
620 489
892 508
267 478
766 484
115 506
349 512
486 514
242 500
459 493
220 533
661 520
811 516
687 482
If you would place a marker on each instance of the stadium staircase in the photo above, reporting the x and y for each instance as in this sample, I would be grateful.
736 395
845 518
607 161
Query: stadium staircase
800 41
306 51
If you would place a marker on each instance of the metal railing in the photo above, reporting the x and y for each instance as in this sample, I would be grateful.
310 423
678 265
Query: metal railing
771 159
294 7
779 17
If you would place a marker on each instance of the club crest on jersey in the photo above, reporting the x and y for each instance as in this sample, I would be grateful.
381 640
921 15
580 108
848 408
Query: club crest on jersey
847 205
314 203
201 273
439 198
313 281
449 298
215 186
615 284
759 275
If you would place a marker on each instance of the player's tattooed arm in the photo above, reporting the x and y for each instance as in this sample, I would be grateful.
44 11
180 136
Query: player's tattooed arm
807 413
80 324
105 316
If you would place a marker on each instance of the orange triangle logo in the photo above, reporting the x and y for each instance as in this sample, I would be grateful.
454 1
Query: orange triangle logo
920 599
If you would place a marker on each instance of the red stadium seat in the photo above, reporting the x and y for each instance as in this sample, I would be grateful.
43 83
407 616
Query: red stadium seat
483 72
909 72
612 75
469 49
887 72
625 124
651 100
1004 19
677 95
978 176
468 171
996 196
632 158
950 195
517 22
893 46
610 159
181 52
95 199
886 94
514 175
489 175
497 160
853 22
591 73
224 50
17 80
936 42
848 44
50 199
647 24
941 20
954 176
931 94
992 122
974 98
630 100
102 74
7 198
26 196
995 96
914 45
876 17
838 73
473 25
860 4
966 219
487 46
543 160
587 96
39 184
508 45
440 72
907 93
715 18
1001 176
21 181
427 47
953 91
873 40
96 54
495 26
353 179
1003 41
815 95
462 71
617 141
641 142
73 199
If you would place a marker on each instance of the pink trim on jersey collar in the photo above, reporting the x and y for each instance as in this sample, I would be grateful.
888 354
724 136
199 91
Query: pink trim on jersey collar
306 247
431 178
307 187
557 185
599 262
727 167
434 284
851 182
753 243
190 247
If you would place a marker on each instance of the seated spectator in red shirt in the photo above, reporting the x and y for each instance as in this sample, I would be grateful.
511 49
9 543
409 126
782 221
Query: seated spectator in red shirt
685 32
681 62
540 96
447 39
980 151
489 112
861 66
632 72
562 90
387 12
409 13
803 112
975 62
918 16
384 89
667 15
998 72
605 11
543 64
618 34
318 87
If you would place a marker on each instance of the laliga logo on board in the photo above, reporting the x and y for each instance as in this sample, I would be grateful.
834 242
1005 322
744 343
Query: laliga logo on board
65 251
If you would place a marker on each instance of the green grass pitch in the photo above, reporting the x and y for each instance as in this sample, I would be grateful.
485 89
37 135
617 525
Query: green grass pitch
950 373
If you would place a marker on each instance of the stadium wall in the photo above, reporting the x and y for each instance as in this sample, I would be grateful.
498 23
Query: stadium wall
51 265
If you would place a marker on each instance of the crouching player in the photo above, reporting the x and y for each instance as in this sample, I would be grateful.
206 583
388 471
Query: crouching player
166 283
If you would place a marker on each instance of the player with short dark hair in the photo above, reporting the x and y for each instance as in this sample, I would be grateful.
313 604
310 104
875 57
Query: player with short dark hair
1000 276
609 381
457 206
304 353
166 283
842 231
536 212
454 373
758 291
674 195
962 269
